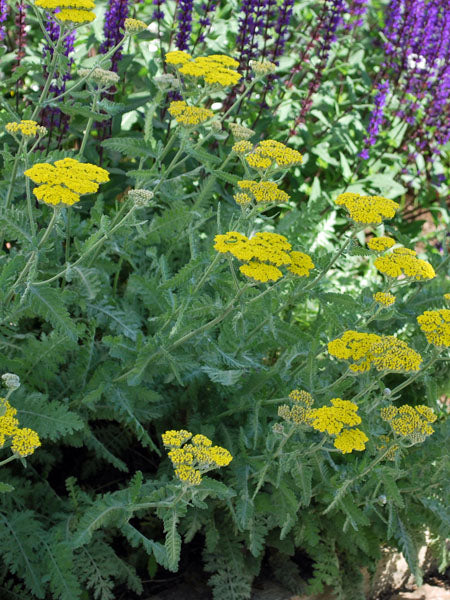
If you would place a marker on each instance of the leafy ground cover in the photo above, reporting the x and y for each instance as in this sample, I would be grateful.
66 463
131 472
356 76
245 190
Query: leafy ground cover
225 303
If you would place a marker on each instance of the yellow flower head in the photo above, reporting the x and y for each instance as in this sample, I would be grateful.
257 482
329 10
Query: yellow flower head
351 439
384 298
25 442
216 69
411 421
333 418
262 191
66 180
261 272
242 147
235 243
271 152
354 345
301 397
190 460
367 210
297 414
394 355
436 326
264 67
379 244
27 128
189 115
177 57
8 422
403 262
301 264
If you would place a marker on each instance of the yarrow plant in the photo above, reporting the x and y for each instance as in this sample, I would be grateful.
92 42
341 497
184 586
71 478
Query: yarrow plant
211 300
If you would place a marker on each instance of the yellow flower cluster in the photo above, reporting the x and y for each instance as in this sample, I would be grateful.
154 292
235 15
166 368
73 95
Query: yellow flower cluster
301 411
410 420
351 439
385 353
214 69
26 127
379 244
270 152
367 210
263 253
66 180
261 192
301 397
74 11
134 25
436 326
384 298
189 115
332 419
242 147
394 355
24 440
240 132
193 459
403 261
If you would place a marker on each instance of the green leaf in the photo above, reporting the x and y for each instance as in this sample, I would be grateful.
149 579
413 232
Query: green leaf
78 109
173 541
5 488
223 377
228 177
48 303
129 146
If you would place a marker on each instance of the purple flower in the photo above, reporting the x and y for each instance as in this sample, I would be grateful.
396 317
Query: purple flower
114 21
357 9
158 13
376 119
184 18
206 11
4 10
21 32
281 28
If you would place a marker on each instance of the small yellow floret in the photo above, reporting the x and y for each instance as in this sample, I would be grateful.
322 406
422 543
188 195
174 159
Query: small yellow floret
302 397
261 272
175 438
134 25
271 152
333 418
75 16
263 191
26 127
301 264
242 147
177 57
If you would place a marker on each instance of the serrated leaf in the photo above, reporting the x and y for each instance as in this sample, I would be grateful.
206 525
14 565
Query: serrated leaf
48 303
133 147
173 541
78 109
223 377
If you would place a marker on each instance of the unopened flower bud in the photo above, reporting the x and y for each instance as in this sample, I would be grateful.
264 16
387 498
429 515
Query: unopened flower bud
216 125
387 392
166 81
141 197
134 25
101 77
278 428
11 381
240 132
263 67
382 499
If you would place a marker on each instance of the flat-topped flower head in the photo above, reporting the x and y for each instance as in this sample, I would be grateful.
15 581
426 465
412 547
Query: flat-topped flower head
215 69
177 57
384 299
189 115
134 25
65 181
242 147
234 243
24 442
384 353
271 152
436 326
394 355
410 421
71 11
261 191
193 459
27 128
379 244
8 421
301 397
333 418
260 272
301 264
367 210
354 345
351 439
404 262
